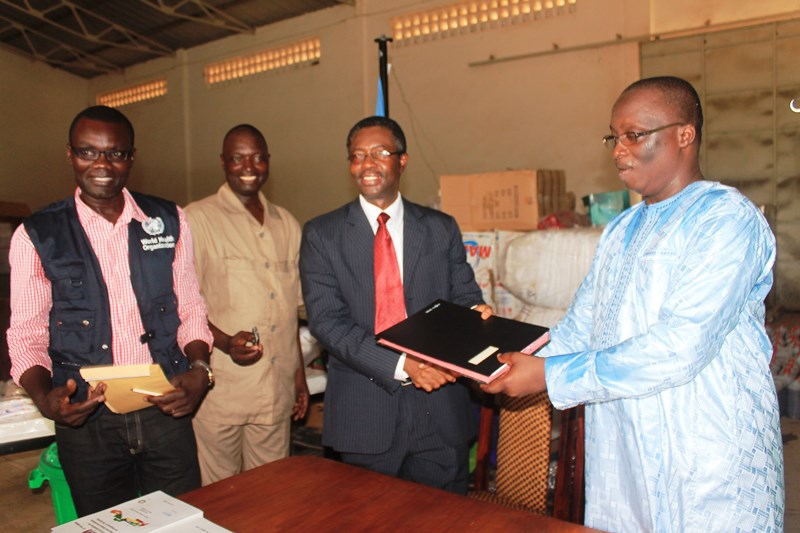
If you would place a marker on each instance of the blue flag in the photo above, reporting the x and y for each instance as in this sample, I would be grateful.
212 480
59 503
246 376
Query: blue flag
380 111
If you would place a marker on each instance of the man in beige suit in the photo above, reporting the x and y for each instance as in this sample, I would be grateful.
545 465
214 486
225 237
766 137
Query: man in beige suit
246 254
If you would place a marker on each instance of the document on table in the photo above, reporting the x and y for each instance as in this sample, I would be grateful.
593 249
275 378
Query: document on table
127 385
156 511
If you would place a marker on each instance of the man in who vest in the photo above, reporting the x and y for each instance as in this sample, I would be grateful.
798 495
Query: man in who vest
88 288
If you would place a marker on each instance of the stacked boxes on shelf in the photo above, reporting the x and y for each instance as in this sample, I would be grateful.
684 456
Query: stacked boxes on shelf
513 200
496 209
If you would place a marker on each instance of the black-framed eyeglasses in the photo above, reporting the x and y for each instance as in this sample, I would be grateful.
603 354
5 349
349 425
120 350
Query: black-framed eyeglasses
93 154
632 137
254 159
377 154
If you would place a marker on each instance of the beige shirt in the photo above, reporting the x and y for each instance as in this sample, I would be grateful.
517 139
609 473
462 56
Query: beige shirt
249 277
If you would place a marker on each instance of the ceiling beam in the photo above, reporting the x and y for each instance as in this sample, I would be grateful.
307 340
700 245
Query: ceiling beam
80 60
209 15
126 39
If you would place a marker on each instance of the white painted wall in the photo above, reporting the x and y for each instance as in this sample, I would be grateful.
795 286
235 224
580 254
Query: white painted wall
548 110
545 112
37 104
678 15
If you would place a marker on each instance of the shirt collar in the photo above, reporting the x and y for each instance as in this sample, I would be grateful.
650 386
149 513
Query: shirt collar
131 211
395 210
232 202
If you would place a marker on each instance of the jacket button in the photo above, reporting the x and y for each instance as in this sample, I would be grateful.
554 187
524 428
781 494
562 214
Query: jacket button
104 346
85 322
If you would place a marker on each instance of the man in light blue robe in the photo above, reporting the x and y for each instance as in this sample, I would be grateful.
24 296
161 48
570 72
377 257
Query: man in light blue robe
665 340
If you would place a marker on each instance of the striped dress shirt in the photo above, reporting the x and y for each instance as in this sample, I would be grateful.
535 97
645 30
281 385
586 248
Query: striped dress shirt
31 297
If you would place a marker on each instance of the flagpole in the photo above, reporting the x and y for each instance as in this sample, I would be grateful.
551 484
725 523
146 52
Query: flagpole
383 61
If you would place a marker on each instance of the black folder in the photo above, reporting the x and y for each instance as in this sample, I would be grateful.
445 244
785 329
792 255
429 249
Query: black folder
455 337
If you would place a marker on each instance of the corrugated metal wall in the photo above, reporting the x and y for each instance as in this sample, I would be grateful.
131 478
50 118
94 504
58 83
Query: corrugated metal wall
747 78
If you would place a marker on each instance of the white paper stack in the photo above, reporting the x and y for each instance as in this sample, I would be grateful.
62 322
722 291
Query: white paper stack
156 511
20 420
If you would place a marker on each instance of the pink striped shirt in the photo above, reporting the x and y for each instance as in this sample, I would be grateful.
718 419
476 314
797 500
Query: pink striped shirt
31 297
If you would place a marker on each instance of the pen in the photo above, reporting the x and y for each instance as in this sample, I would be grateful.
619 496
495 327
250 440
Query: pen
148 392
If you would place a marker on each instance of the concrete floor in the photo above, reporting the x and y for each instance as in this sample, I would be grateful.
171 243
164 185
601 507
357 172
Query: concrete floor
22 509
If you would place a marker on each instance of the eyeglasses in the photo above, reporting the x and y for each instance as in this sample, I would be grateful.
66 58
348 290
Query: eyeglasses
632 137
255 159
377 154
93 154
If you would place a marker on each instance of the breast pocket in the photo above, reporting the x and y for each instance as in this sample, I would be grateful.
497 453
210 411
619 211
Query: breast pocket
654 275
72 332
234 283
167 320
69 281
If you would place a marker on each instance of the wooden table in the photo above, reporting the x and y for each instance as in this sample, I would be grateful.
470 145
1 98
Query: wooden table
308 493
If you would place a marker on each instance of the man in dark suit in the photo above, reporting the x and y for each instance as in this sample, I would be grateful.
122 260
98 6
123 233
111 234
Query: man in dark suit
420 432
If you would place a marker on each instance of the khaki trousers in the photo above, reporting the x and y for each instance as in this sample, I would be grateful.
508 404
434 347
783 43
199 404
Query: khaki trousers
225 450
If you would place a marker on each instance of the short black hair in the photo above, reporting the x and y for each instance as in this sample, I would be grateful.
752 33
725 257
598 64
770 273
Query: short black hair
381 122
679 94
102 113
249 128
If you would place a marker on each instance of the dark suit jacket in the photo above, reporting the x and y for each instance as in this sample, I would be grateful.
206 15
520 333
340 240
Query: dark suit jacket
362 397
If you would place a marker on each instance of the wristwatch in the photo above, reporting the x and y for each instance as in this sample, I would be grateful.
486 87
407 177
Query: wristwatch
205 366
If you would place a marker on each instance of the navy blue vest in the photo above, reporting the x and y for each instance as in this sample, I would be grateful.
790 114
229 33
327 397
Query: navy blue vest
80 319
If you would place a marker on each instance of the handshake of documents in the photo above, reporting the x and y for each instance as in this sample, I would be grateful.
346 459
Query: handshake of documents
457 338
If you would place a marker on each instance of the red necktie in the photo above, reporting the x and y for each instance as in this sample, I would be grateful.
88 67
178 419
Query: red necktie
390 307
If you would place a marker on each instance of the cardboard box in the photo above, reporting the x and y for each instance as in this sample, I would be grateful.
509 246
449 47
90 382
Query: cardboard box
507 200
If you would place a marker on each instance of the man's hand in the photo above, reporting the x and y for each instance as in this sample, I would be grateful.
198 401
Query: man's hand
54 403
426 376
242 350
301 395
190 388
525 375
240 347
485 310
73 414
